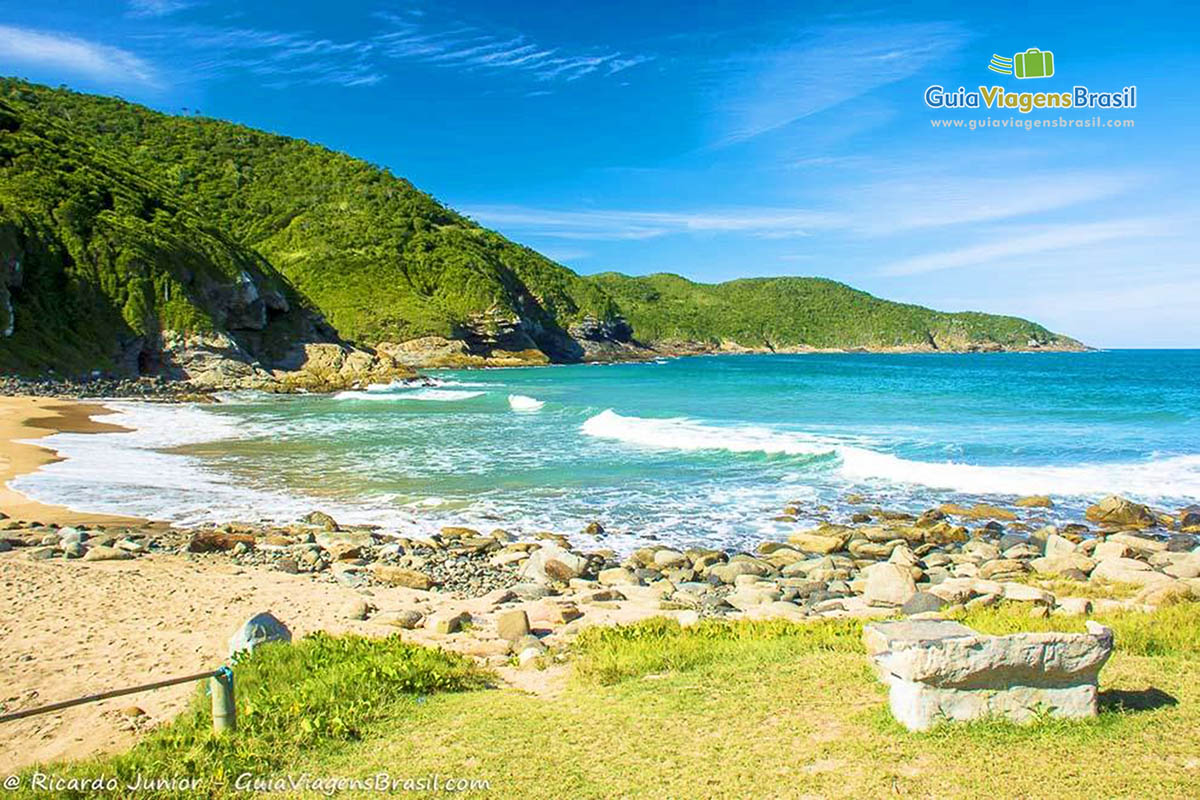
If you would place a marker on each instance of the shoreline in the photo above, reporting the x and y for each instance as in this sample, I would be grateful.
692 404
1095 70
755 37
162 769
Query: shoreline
99 609
26 418
161 390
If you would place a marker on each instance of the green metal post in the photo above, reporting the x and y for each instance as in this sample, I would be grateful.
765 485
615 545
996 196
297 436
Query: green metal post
223 710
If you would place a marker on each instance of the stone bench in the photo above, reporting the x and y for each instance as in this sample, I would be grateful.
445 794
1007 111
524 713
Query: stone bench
940 670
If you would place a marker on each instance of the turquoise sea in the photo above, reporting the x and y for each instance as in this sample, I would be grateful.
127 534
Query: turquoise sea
690 450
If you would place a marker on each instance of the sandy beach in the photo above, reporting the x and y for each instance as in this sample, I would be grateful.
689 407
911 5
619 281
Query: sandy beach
25 418
74 627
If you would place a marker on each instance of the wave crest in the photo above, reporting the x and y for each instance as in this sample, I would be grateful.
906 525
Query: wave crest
520 402
1172 477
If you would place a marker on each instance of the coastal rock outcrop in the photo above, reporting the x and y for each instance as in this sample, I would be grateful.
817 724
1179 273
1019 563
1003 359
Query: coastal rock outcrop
1118 511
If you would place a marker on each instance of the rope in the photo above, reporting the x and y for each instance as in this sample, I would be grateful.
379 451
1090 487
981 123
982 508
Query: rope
91 698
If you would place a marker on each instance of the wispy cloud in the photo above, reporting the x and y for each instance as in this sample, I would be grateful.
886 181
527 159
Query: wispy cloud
884 208
25 48
281 59
287 58
931 201
614 224
158 8
824 68
1031 241
470 47
563 255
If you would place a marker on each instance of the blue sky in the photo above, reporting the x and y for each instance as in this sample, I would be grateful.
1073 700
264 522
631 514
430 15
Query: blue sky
722 139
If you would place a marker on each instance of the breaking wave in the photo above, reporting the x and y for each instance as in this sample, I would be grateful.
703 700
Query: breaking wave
1170 477
520 402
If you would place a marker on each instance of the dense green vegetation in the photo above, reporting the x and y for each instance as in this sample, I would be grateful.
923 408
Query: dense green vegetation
95 258
382 260
788 312
126 222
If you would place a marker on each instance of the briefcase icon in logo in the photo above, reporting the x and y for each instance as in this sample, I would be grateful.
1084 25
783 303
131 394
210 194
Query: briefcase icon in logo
1033 63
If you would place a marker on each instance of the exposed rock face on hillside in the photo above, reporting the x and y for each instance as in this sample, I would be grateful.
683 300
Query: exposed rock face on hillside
134 242
218 362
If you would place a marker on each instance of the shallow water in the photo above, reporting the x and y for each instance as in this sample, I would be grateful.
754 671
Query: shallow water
689 450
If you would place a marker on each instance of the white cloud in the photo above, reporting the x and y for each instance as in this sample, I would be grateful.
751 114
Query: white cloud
891 206
825 68
1027 241
884 208
24 48
157 8
473 48
283 59
615 224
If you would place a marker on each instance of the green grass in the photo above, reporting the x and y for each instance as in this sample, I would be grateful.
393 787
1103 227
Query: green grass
293 701
790 710
719 709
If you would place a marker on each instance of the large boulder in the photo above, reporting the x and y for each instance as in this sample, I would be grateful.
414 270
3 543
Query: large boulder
1034 501
1128 570
938 670
512 625
728 573
553 563
821 541
1062 563
345 545
322 520
977 511
257 631
101 553
888 585
402 576
1118 511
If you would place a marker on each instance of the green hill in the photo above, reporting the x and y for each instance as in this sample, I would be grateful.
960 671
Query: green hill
783 313
118 223
96 261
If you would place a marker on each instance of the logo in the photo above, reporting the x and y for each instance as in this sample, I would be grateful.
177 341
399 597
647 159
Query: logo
1033 63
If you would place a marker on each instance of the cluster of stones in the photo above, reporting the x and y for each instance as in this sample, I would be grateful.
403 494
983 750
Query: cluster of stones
899 562
146 388
456 560
531 591
42 542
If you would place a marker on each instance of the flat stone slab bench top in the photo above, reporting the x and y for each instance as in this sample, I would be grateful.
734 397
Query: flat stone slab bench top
942 670
947 653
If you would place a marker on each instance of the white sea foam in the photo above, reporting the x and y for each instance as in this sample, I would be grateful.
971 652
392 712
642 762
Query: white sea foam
128 473
1173 477
520 402
681 433
433 395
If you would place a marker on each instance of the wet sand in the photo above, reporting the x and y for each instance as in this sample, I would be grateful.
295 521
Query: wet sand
25 418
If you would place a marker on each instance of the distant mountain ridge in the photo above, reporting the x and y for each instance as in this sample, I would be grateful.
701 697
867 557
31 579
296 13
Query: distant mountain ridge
133 240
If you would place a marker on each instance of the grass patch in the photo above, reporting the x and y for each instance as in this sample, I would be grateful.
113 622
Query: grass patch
724 709
1172 631
793 710
1089 589
309 697
607 655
